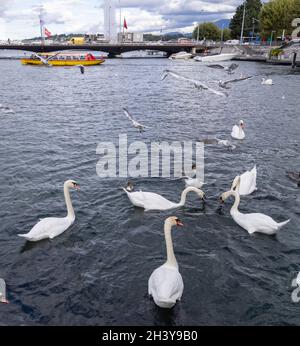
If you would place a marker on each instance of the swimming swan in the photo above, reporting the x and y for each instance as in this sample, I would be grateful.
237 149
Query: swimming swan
51 227
267 81
238 131
247 182
154 201
165 284
255 222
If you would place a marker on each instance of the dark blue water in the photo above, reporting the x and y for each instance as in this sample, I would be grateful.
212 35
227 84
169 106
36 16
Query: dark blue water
96 273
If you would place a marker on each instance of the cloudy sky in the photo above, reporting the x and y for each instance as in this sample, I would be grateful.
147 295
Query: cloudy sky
19 18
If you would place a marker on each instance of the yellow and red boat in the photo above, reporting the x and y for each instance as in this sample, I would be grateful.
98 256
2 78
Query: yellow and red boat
63 59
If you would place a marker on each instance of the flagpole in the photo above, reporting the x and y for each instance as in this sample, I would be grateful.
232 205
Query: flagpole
121 38
42 28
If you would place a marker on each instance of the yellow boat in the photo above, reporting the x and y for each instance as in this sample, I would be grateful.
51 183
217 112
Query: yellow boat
63 59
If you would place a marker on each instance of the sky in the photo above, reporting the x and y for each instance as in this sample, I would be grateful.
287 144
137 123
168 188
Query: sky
19 19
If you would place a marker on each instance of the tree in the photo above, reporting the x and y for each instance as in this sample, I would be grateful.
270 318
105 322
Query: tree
253 8
226 34
277 16
207 31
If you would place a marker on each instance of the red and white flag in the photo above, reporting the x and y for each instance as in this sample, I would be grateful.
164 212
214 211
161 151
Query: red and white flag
125 24
47 32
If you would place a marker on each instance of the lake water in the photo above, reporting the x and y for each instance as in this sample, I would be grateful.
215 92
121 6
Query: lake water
96 273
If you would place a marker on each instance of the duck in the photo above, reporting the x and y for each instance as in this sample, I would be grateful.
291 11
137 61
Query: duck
3 292
247 182
165 284
52 227
154 201
252 223
238 131
267 81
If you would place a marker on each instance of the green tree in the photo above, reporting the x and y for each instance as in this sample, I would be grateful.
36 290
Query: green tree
226 34
208 31
253 8
277 16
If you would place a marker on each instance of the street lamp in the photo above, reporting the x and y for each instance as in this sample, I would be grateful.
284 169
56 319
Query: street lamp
253 21
222 33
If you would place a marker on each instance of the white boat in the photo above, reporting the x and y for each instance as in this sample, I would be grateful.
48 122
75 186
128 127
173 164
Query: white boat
216 57
181 55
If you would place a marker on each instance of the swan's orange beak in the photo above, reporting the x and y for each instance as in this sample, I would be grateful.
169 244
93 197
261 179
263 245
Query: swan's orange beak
179 223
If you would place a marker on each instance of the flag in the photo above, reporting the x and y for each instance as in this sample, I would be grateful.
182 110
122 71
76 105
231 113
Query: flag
47 32
125 24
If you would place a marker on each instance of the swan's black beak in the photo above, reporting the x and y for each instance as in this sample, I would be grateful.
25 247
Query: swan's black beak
76 186
179 223
221 200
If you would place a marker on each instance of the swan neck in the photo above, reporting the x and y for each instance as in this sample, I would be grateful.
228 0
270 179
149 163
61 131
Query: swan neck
71 214
171 259
236 203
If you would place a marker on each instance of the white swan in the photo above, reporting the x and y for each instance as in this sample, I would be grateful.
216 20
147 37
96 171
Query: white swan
154 201
51 227
238 131
3 292
247 182
267 81
194 182
165 284
255 222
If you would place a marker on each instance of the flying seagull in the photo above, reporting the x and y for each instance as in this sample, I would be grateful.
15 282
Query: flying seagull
197 84
136 124
3 292
46 61
229 69
223 84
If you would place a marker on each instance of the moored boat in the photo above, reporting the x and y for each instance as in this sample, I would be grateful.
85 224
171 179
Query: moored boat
181 55
216 57
63 59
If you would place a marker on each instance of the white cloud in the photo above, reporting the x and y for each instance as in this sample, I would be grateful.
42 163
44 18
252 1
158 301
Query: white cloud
68 16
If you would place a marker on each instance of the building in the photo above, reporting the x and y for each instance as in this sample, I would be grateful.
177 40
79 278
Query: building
110 23
130 37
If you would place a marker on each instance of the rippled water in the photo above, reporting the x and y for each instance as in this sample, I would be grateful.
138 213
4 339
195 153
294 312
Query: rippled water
97 271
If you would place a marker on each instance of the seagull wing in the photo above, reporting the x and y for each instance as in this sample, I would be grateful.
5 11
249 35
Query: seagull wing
128 115
217 92
52 56
237 80
217 66
44 61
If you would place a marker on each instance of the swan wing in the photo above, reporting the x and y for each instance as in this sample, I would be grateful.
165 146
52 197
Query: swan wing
248 182
165 285
2 290
49 227
257 222
151 201
194 182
